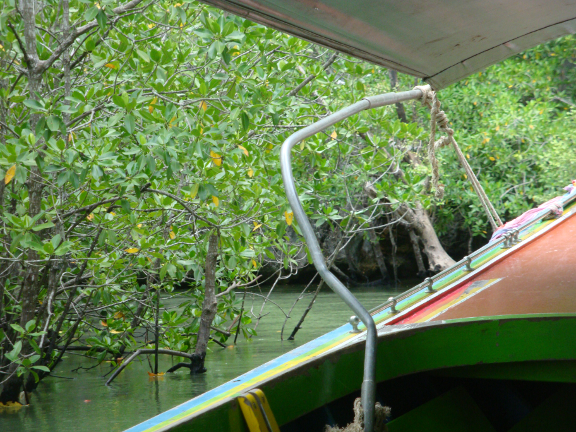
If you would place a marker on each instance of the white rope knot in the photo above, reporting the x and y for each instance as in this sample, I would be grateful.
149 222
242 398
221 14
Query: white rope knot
427 95
442 142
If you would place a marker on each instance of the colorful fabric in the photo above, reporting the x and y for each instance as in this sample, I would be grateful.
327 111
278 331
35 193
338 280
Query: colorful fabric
555 204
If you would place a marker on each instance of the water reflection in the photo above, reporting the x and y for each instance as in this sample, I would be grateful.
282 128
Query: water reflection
84 403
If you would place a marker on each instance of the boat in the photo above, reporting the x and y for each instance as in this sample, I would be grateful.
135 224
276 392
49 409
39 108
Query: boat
485 345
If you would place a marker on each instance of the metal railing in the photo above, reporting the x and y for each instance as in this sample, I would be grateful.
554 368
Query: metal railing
505 242
369 383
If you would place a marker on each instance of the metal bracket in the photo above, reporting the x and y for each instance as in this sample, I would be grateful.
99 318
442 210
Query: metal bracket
354 321
468 264
429 285
507 241
517 238
393 305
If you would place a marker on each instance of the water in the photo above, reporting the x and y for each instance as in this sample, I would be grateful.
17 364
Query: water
84 403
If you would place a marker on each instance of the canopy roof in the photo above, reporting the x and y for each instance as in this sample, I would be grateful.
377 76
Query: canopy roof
441 41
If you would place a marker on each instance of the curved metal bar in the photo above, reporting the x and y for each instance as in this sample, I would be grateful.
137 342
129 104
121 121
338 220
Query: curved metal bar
369 383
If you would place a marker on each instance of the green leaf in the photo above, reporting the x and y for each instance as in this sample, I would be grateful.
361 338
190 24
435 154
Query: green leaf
102 19
31 103
43 226
13 355
129 124
143 55
30 325
118 100
245 121
42 368
91 13
53 123
17 328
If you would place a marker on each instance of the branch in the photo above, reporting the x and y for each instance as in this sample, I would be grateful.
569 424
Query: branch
147 351
89 208
311 77
236 285
20 43
45 64
566 101
180 201
84 115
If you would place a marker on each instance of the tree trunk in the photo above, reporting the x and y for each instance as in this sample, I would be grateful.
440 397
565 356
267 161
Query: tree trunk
419 220
399 105
31 278
375 241
209 306
438 259
414 239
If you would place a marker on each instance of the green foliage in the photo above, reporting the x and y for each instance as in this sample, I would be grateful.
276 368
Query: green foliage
165 125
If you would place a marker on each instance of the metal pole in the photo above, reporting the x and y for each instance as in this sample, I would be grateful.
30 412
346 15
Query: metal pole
369 383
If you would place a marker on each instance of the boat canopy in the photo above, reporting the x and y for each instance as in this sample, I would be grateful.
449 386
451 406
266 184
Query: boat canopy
441 41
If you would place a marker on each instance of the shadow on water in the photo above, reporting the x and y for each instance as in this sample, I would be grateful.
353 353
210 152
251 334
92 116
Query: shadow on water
84 403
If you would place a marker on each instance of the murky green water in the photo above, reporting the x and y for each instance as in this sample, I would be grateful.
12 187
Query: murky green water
84 403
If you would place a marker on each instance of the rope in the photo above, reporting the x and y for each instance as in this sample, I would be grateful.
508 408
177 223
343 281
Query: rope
438 118
381 414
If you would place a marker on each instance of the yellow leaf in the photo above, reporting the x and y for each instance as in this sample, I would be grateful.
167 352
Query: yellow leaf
475 103
203 105
243 150
110 65
333 135
10 174
256 226
115 331
215 200
172 235
90 216
139 225
151 26
254 263
113 214
119 315
151 109
467 156
104 323
155 375
485 140
492 158
302 145
194 190
216 158
250 172
132 250
531 126
497 128
289 217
